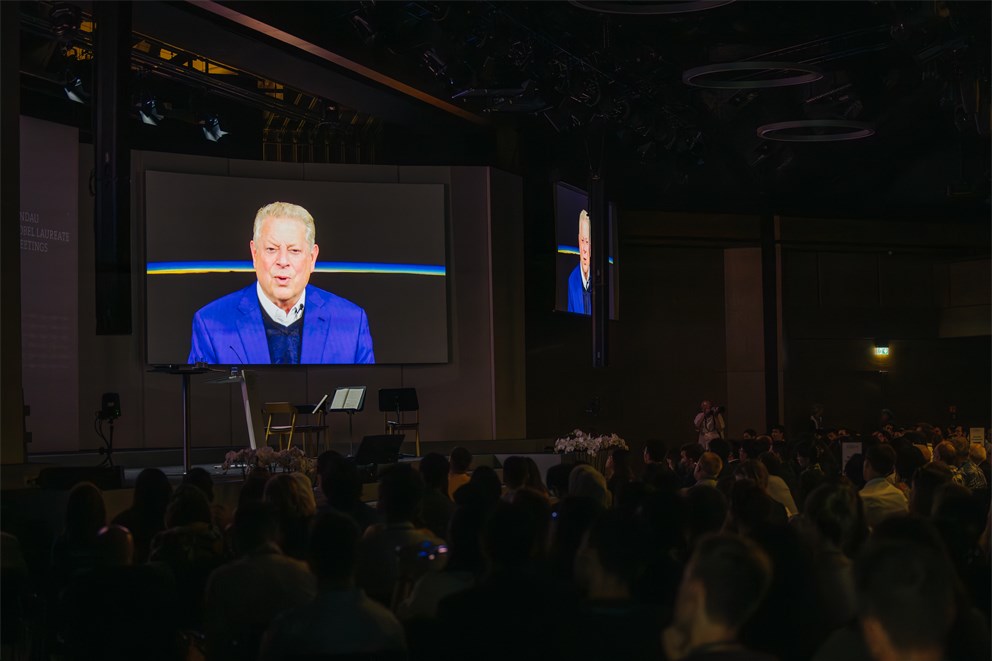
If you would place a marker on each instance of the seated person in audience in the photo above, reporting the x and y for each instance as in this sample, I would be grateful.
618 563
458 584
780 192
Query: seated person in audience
706 510
753 447
75 548
586 482
191 547
557 480
721 448
960 518
707 469
833 523
570 520
514 476
460 462
689 454
970 475
486 487
777 487
515 611
341 619
945 453
811 473
906 598
618 471
401 493
724 583
463 567
908 460
437 508
342 488
751 508
146 516
533 480
292 494
200 478
244 596
654 452
613 559
118 611
979 457
879 496
926 481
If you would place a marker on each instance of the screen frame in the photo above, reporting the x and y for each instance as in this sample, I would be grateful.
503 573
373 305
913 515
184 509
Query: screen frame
614 233
142 250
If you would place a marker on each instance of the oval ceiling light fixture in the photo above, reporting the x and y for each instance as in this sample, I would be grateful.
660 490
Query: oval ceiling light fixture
651 8
781 130
703 76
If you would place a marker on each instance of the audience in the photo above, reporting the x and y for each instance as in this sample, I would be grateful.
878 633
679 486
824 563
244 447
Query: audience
401 493
341 485
724 583
458 476
341 620
292 496
243 597
437 507
707 469
879 496
190 547
75 549
146 516
889 560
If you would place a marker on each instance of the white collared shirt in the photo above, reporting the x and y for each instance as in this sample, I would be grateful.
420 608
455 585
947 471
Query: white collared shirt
585 279
276 313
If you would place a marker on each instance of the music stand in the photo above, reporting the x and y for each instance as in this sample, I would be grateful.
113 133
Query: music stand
398 400
350 400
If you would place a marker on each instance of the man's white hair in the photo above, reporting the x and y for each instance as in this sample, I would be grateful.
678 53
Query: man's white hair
286 210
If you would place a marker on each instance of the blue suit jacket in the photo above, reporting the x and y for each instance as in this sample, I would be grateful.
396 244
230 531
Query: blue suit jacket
575 290
229 331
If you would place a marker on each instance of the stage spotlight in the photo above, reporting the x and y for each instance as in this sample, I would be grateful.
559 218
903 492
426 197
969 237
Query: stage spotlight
149 113
212 130
74 89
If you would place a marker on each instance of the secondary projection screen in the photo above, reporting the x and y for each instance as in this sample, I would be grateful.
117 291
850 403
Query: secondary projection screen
376 294
572 266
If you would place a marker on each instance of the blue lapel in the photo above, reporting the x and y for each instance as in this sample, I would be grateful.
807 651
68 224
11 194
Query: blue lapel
316 325
251 330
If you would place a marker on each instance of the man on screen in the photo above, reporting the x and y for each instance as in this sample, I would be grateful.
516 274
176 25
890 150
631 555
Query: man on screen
281 319
579 292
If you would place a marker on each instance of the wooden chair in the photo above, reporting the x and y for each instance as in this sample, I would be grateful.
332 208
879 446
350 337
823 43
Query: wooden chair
276 411
286 411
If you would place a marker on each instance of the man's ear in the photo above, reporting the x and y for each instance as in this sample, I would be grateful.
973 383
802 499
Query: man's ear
877 639
313 255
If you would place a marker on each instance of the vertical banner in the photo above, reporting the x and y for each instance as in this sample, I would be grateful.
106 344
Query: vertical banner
49 225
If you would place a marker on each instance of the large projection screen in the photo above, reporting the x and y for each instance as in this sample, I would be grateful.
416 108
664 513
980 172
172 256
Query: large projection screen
381 247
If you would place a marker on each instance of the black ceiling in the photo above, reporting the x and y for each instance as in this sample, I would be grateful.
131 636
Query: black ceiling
568 85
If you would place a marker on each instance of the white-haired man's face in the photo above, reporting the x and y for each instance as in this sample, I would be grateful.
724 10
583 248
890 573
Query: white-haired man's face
584 243
283 260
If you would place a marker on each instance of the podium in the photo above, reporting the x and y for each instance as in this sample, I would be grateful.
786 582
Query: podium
236 377
184 371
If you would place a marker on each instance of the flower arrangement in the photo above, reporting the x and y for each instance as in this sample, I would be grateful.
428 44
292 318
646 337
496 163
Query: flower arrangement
580 441
290 459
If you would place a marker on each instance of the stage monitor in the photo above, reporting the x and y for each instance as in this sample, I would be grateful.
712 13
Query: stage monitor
370 287
573 268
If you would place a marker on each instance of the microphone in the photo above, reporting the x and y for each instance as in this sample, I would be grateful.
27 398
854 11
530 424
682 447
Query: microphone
231 347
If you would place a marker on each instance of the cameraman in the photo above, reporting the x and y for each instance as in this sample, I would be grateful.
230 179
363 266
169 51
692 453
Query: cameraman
709 422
